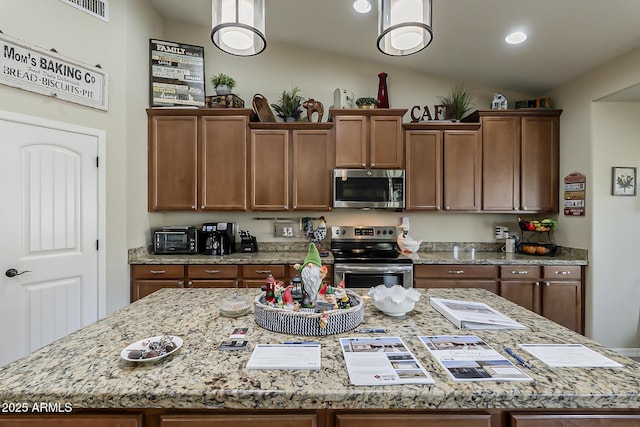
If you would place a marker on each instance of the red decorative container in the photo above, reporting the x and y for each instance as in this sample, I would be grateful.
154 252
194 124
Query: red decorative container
383 94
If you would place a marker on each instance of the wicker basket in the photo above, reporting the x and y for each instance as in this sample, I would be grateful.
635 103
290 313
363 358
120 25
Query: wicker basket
306 321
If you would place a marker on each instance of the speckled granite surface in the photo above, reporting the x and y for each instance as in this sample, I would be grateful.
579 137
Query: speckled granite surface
440 254
85 368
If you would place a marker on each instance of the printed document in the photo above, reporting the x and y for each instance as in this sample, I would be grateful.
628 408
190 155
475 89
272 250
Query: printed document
473 315
285 356
569 356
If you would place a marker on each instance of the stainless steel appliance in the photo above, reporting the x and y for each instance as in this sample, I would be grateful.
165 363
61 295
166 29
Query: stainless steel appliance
175 240
217 238
368 256
368 188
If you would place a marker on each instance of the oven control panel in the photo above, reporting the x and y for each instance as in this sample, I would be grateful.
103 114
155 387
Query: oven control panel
363 232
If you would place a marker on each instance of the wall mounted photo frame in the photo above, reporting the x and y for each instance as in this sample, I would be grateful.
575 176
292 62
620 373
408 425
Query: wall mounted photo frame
623 181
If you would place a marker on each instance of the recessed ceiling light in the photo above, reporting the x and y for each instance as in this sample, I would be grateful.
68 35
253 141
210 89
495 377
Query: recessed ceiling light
516 38
362 6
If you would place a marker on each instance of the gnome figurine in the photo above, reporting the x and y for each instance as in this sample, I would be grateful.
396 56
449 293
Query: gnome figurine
312 272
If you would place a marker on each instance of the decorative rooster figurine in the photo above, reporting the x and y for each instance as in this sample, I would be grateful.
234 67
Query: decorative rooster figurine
315 236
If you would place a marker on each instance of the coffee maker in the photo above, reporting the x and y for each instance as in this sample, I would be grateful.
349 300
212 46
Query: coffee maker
217 238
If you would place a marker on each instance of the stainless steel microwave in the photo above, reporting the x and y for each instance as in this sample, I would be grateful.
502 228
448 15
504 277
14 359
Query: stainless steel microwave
368 188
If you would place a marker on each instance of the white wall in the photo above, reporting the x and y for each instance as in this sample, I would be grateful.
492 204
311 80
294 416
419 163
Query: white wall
594 137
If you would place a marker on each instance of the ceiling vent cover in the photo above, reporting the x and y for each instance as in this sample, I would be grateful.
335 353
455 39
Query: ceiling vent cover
97 8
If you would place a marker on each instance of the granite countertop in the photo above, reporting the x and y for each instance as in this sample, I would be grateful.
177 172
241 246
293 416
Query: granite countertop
292 255
85 369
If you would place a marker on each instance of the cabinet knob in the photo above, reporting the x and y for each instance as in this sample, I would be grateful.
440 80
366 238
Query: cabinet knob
181 284
202 207
536 283
189 284
547 284
363 165
373 165
193 207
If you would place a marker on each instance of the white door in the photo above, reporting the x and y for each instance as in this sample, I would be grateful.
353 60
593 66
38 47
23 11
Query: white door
49 230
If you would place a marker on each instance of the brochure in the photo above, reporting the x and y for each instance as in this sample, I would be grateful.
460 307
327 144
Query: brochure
382 361
473 315
468 358
569 355
285 356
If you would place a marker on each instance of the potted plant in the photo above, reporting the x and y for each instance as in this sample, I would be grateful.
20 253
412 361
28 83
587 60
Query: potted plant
458 103
289 106
366 102
223 83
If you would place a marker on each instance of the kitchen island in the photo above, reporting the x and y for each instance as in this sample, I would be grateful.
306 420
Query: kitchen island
84 375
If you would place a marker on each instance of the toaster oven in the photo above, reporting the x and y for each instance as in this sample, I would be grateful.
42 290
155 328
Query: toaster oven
175 240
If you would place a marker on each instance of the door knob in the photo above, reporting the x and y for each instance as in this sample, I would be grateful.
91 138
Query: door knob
12 272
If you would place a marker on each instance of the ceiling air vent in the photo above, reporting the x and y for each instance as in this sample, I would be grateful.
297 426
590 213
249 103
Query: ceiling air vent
97 8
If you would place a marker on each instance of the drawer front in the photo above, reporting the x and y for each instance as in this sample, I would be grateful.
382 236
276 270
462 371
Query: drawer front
261 271
225 283
212 271
160 271
560 272
456 271
520 272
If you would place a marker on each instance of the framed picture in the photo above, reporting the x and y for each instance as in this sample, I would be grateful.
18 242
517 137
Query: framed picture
623 181
177 74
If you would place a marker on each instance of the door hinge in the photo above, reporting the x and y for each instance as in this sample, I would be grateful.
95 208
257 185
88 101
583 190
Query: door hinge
97 245
97 162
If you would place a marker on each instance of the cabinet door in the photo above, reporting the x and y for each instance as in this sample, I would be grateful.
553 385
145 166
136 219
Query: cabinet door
173 163
351 141
142 288
262 420
423 150
413 420
562 303
575 420
539 164
385 143
71 421
524 293
489 285
312 166
270 170
223 161
461 176
500 163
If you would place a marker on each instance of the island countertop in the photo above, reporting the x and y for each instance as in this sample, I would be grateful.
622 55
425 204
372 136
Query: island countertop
85 369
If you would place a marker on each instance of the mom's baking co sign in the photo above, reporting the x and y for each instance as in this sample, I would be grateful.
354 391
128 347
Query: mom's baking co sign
37 70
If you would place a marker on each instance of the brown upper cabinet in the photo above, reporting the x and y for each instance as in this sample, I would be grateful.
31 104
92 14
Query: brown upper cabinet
368 138
443 166
197 159
520 160
291 166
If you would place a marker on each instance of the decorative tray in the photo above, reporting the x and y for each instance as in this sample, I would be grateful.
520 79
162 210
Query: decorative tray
262 109
307 321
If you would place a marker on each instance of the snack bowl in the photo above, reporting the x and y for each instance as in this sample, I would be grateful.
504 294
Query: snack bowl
394 301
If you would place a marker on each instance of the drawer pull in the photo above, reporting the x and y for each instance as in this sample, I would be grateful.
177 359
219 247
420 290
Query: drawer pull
519 272
157 271
456 271
547 284
564 273
263 271
212 271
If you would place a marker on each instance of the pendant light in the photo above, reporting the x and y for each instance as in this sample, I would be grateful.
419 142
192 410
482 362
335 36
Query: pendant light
404 26
238 26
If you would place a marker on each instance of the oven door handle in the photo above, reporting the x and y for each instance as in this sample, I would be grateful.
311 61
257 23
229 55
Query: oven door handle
369 269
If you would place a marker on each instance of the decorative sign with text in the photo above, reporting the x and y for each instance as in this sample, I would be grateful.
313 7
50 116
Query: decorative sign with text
35 69
177 74
574 190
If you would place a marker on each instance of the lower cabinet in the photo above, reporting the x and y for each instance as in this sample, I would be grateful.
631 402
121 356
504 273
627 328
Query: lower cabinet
574 420
456 276
105 420
212 276
293 420
413 420
148 278
555 292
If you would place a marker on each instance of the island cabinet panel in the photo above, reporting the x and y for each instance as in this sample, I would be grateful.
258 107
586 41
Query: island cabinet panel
368 138
103 420
575 420
263 420
555 292
413 420
456 276
520 158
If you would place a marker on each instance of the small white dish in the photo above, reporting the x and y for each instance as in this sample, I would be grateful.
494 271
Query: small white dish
146 345
394 301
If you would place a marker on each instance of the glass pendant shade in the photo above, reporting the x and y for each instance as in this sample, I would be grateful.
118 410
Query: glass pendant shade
238 26
404 26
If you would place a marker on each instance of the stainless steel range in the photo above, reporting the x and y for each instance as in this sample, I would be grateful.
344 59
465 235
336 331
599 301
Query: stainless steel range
367 256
